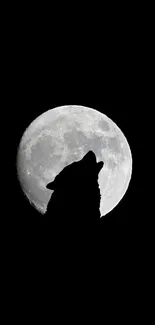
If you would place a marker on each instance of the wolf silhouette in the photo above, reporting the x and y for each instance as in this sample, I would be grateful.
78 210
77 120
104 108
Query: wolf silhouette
74 204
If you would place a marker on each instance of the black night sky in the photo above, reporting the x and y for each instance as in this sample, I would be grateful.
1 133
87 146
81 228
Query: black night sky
34 91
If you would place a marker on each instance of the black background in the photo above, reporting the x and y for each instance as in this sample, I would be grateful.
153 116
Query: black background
100 66
128 218
39 82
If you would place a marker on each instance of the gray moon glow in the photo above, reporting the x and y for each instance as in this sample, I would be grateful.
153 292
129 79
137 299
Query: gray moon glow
63 135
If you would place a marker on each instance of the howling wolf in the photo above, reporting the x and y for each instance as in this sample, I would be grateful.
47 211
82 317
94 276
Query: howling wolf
74 203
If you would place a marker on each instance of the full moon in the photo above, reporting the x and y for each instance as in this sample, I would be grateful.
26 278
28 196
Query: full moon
63 135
